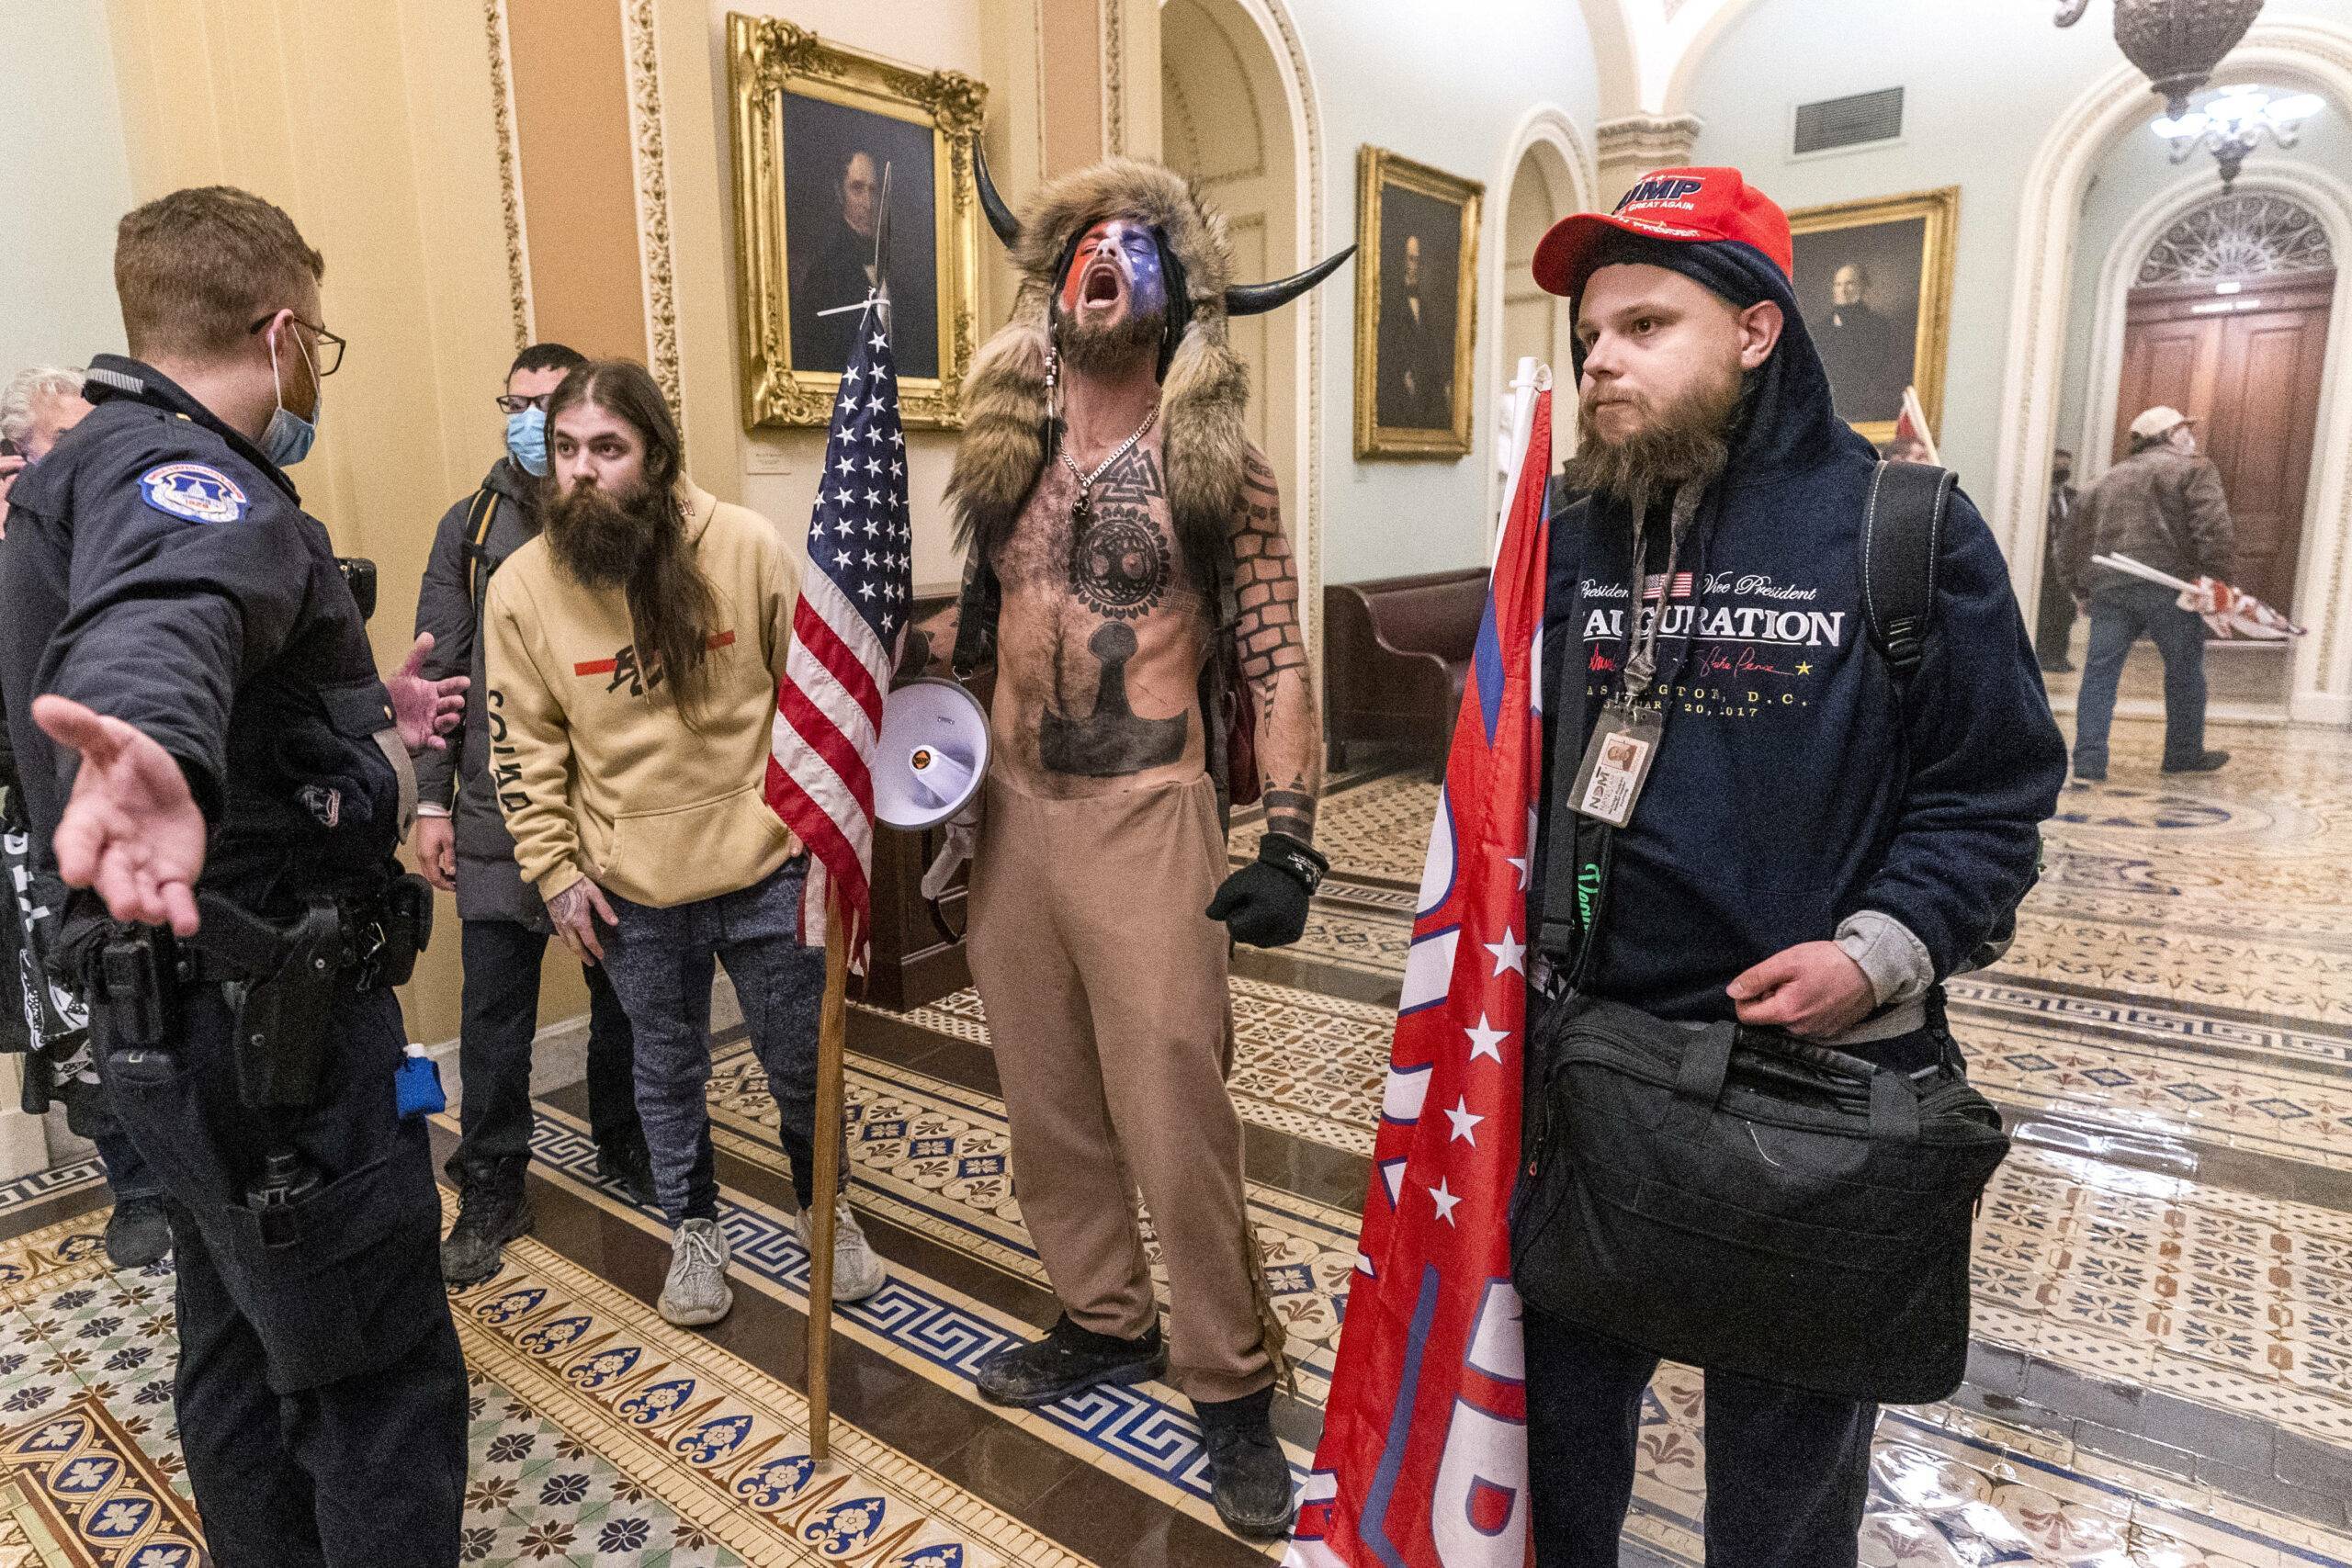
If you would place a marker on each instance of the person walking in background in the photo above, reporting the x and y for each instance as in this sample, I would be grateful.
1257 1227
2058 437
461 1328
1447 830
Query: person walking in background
462 847
2163 506
2054 622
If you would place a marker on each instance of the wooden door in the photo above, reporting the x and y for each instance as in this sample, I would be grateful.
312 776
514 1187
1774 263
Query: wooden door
2249 363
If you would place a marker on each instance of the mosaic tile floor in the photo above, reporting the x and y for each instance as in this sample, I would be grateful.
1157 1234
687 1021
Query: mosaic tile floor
2164 1267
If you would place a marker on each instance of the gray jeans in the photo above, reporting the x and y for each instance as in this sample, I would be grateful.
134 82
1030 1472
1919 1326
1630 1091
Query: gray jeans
661 964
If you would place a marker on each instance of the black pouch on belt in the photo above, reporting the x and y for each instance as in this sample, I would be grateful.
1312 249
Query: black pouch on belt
1736 1197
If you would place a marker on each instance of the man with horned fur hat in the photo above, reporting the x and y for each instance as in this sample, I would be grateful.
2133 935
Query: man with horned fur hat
1127 564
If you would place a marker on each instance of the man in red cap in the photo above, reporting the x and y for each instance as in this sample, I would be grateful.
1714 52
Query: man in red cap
1807 840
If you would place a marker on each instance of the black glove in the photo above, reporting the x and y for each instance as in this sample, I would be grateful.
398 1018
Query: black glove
1265 904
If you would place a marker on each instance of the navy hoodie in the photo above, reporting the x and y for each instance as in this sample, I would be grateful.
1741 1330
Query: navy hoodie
1793 787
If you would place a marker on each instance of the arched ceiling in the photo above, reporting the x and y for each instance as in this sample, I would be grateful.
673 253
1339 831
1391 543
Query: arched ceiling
1646 50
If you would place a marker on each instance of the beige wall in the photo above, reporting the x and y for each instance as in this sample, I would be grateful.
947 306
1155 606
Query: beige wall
369 122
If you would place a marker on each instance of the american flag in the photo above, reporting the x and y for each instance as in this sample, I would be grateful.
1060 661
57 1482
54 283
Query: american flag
846 628
1423 1462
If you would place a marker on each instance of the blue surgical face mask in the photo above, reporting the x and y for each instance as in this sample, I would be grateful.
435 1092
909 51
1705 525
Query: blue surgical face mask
288 438
526 440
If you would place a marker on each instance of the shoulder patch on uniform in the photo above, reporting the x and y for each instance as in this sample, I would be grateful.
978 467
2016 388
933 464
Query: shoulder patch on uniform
198 492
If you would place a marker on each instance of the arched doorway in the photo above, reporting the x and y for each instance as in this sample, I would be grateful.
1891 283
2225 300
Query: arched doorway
1546 174
2308 54
1535 324
2228 318
1226 124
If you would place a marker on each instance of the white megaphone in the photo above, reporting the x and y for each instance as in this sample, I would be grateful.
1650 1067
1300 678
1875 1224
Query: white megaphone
933 755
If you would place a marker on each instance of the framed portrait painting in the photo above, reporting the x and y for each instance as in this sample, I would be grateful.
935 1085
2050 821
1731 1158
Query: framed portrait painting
1873 279
1417 307
824 137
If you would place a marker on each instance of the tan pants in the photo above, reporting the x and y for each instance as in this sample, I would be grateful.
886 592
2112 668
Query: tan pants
1105 990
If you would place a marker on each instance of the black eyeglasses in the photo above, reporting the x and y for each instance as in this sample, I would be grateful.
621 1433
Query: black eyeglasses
330 346
514 402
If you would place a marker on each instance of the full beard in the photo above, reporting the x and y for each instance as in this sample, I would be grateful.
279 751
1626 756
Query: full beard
1113 348
1687 442
603 542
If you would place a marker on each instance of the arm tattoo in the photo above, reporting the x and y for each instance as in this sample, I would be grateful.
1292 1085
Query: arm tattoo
1290 811
1265 581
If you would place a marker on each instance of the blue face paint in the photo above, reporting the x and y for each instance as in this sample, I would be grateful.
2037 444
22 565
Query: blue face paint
526 440
1128 244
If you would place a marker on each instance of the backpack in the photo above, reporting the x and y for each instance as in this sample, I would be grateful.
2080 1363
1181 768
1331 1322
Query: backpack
478 526
1903 531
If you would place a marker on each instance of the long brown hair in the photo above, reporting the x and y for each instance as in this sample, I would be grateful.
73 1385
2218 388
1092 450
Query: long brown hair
672 606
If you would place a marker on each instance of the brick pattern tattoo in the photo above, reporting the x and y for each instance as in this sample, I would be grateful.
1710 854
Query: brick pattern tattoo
1265 580
1273 657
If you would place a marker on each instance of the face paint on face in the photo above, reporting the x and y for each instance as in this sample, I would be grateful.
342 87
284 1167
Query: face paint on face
1116 263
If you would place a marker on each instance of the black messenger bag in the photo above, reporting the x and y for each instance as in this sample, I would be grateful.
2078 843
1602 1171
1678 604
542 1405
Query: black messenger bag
1739 1199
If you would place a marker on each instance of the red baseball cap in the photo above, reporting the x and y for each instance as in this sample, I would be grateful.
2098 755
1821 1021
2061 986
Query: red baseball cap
1681 205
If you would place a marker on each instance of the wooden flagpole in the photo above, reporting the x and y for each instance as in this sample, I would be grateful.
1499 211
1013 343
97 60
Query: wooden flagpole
832 1028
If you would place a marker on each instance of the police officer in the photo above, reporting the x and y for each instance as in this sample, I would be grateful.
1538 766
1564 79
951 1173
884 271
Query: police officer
212 752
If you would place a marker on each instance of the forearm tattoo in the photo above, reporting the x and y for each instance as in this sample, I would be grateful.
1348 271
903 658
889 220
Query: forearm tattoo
1274 658
1265 580
1290 811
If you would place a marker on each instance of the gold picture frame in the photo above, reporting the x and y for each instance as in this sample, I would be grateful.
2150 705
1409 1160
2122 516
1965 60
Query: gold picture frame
1396 415
1904 246
786 78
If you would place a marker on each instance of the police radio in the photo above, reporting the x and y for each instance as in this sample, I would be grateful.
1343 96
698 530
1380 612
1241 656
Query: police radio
359 576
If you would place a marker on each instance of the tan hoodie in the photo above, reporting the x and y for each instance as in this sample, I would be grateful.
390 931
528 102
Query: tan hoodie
597 773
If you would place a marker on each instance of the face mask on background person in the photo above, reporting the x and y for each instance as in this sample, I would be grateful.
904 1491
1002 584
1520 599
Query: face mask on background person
526 440
288 438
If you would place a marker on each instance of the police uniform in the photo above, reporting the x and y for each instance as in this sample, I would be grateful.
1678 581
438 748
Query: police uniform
158 568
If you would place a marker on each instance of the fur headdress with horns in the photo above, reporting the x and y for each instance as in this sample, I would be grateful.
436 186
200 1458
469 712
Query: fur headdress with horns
1205 387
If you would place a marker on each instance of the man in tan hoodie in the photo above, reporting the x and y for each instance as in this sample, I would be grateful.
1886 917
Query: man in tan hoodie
633 653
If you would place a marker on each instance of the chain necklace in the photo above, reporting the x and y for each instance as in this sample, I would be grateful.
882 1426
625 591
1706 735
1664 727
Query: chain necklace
1084 505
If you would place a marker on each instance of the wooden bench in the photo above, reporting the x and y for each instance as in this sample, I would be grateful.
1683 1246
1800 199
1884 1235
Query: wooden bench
1395 654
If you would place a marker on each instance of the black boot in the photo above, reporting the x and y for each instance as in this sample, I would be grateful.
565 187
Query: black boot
138 1234
625 1164
1066 1360
493 1208
2204 763
1248 1477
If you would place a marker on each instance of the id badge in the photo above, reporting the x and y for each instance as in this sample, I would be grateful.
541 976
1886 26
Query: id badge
1617 763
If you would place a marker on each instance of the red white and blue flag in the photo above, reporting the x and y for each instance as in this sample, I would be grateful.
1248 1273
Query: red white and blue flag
847 630
1423 1462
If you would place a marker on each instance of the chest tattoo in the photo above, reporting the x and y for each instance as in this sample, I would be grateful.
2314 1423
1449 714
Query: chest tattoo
1119 559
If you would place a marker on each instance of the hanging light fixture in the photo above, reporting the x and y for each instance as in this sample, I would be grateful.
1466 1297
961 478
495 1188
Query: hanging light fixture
2237 121
2175 43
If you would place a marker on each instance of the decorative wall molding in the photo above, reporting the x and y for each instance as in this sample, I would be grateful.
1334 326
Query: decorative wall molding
640 52
2312 53
1630 147
1114 78
510 173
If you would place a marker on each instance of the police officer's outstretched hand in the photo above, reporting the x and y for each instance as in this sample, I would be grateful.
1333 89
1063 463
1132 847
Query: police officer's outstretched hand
131 831
425 710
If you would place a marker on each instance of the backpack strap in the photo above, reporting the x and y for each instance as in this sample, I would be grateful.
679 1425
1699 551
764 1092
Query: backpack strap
1903 532
478 525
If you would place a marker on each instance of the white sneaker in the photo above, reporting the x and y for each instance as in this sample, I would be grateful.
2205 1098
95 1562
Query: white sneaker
696 1291
858 1273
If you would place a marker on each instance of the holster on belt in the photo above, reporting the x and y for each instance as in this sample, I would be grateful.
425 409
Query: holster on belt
281 978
